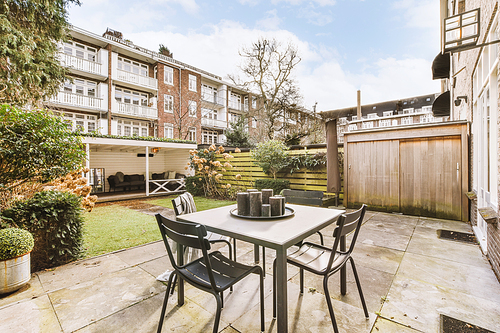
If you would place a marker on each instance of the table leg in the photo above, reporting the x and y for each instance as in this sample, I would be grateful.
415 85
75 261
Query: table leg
256 255
281 291
343 270
180 282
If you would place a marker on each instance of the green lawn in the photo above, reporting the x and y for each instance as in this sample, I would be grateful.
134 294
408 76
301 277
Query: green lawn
114 227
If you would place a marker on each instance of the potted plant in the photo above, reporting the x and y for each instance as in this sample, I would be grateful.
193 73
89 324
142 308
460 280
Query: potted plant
15 247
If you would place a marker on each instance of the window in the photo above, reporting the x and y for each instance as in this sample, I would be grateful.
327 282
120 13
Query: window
132 66
79 122
372 115
131 97
81 87
80 51
407 121
168 131
388 113
367 124
352 127
209 137
427 118
254 102
192 82
427 108
384 123
233 118
245 103
192 133
132 128
192 108
354 118
208 113
254 123
209 93
168 75
235 101
408 111
343 121
169 103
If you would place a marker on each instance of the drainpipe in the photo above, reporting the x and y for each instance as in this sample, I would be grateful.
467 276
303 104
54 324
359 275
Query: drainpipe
180 98
109 88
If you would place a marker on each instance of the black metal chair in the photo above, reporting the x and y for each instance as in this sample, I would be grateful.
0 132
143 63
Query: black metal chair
212 236
326 261
213 272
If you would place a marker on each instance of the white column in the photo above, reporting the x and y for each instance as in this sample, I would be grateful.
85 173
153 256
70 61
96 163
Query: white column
147 171
87 160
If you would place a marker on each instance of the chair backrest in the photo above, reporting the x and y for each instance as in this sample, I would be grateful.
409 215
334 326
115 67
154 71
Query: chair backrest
313 198
352 222
184 204
346 224
177 204
186 234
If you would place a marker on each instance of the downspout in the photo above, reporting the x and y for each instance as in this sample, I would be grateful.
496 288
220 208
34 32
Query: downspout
109 88
180 99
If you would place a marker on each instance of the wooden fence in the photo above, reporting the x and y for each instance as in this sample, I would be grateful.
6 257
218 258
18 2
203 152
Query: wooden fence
303 179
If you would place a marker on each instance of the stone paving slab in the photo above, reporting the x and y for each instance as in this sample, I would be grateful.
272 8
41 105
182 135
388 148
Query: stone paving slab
425 241
84 303
444 224
383 325
376 257
140 254
375 285
189 318
35 315
418 305
476 281
80 271
372 235
32 290
308 313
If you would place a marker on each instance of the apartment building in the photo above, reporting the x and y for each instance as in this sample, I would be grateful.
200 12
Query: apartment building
407 111
469 67
118 88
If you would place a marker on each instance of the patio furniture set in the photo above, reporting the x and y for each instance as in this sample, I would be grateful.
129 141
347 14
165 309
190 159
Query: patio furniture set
214 273
169 181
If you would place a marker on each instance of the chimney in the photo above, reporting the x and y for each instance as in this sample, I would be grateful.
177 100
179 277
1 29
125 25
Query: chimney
359 105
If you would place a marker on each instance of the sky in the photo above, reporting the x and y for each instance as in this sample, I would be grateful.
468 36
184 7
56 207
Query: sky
384 48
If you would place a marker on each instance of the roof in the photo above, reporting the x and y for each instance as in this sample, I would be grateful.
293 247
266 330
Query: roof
379 108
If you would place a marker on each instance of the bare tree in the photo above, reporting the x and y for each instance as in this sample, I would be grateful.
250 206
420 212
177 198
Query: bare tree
268 66
186 115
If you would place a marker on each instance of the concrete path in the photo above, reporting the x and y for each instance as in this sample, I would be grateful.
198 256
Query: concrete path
409 277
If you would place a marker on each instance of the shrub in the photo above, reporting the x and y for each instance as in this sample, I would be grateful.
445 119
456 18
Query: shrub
55 220
194 185
306 161
277 185
14 242
271 156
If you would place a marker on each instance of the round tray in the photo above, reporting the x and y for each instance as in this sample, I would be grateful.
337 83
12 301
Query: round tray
288 212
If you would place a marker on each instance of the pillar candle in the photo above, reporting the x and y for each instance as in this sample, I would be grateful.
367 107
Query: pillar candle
266 194
252 190
266 210
243 202
275 203
255 203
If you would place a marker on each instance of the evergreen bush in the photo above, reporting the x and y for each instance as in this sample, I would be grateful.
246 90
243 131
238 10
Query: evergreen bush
277 185
14 242
55 220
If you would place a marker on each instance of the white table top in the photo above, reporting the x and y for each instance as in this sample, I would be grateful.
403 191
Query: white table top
273 233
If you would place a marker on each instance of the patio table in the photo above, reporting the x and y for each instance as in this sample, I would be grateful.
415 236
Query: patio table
278 234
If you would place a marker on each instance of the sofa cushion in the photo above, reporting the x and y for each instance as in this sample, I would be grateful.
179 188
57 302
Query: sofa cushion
179 176
120 176
157 176
171 175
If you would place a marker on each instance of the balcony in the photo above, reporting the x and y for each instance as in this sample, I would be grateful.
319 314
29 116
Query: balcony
213 123
214 100
235 106
81 64
77 100
136 110
147 82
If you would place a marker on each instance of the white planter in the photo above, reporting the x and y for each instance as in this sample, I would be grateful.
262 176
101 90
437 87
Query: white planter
14 273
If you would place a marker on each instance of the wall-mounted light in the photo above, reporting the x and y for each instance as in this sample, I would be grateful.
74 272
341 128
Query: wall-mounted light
458 100
155 150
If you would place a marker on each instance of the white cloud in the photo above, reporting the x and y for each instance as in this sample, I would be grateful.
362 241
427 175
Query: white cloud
298 2
270 22
189 6
320 18
419 14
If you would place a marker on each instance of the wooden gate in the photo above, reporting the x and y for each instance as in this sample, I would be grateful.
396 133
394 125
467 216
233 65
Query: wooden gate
417 170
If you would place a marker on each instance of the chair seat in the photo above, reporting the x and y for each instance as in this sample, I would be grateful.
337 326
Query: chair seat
226 272
314 258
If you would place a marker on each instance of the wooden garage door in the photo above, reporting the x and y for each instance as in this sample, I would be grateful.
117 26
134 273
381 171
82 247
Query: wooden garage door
430 177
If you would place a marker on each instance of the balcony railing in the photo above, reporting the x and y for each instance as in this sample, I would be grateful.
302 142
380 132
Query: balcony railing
81 64
213 122
136 110
213 99
145 81
68 98
235 106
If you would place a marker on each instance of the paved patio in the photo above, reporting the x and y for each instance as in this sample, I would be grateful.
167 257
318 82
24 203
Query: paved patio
409 277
